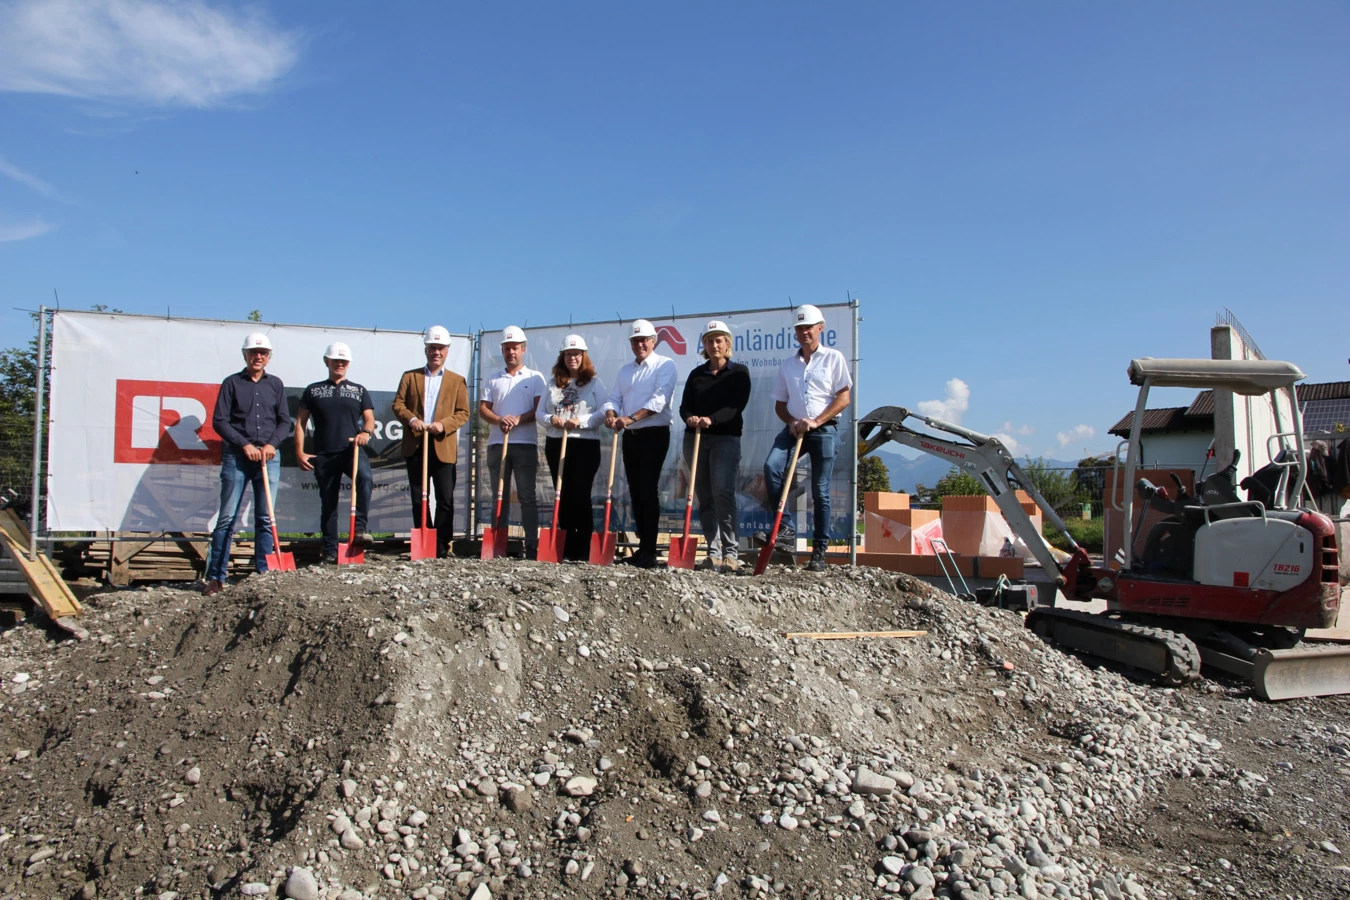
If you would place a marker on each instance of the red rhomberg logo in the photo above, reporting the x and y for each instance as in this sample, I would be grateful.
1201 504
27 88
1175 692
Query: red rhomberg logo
166 422
671 337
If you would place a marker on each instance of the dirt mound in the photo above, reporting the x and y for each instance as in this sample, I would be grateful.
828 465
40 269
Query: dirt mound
459 728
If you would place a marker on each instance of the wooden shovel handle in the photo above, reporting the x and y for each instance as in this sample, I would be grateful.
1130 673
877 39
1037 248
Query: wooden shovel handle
613 458
693 467
790 473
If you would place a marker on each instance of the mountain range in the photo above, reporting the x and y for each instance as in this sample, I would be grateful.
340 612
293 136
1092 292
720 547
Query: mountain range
907 474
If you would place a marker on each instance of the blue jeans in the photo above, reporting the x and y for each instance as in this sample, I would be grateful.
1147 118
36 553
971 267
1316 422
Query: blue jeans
819 446
236 472
719 456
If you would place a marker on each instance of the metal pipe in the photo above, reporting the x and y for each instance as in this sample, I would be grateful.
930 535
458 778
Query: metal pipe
35 514
1131 463
475 373
853 499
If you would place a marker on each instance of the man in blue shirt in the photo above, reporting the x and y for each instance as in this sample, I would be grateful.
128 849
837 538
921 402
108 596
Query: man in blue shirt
252 420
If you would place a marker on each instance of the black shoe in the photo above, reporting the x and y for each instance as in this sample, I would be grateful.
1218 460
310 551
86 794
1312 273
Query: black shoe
532 552
645 560
817 563
362 540
787 541
328 559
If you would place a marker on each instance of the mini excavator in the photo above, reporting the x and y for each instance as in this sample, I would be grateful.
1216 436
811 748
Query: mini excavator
1230 583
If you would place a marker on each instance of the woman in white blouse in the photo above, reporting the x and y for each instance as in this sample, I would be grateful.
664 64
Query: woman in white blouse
574 396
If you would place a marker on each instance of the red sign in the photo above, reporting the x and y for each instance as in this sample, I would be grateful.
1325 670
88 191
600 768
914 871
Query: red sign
166 422
671 337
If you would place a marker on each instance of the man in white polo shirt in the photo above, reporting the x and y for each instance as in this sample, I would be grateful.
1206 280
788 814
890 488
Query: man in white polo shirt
508 403
639 406
812 388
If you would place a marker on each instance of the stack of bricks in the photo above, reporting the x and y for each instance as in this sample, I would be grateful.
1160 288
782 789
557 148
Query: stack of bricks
889 523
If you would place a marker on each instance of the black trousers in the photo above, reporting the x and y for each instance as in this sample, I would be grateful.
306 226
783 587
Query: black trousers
442 478
329 469
575 514
644 453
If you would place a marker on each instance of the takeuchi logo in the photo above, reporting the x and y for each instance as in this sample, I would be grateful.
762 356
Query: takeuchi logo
671 337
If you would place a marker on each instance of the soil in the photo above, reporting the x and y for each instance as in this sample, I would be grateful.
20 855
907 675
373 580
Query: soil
528 730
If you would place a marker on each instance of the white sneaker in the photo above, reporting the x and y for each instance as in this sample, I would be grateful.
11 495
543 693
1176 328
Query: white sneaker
709 564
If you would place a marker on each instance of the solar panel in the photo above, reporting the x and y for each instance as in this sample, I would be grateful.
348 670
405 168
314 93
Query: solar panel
1322 416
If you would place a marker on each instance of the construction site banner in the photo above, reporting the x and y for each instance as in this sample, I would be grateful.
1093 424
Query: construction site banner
761 340
132 448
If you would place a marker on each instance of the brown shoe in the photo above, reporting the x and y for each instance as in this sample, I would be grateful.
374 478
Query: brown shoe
213 587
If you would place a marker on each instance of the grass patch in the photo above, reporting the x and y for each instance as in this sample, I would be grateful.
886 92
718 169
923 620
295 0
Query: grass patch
1089 533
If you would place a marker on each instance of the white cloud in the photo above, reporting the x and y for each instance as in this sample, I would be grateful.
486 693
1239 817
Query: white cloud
143 51
1013 445
27 179
22 231
1075 434
950 408
1023 430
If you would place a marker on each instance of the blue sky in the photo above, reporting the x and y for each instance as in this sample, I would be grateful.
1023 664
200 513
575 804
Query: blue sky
1024 196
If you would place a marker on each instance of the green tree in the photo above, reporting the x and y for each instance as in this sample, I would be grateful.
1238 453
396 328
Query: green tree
873 476
954 483
255 315
1057 487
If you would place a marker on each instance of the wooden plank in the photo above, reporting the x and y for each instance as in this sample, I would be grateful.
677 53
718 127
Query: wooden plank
849 635
46 584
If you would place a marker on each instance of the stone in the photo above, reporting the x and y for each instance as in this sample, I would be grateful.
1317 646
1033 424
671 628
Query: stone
348 788
194 775
340 824
253 889
518 800
481 893
787 822
580 786
350 894
561 614
300 885
486 787
417 819
920 876
350 840
892 865
869 782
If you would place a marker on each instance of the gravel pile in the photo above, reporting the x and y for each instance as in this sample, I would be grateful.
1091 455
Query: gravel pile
504 729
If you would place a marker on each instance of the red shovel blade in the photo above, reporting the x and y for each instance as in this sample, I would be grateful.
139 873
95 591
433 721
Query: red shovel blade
423 541
280 562
494 543
682 552
349 555
552 544
603 547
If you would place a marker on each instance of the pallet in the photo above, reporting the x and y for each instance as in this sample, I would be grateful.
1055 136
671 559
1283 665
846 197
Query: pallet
44 582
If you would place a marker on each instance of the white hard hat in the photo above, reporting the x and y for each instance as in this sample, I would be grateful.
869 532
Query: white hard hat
436 334
512 334
806 314
573 342
338 350
641 329
716 326
257 341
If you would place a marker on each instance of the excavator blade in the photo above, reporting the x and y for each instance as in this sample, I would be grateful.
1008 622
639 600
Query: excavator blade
1307 671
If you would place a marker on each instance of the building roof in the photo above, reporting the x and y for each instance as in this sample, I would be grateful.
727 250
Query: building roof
1199 416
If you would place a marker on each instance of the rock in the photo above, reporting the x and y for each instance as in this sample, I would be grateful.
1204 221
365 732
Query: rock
869 782
1329 847
340 824
518 800
580 786
787 822
892 865
350 840
194 775
417 819
1109 888
300 885
253 889
1015 865
561 614
481 893
350 894
857 809
920 876
486 787
348 788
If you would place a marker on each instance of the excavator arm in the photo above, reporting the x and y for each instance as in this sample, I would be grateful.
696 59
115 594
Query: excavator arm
989 462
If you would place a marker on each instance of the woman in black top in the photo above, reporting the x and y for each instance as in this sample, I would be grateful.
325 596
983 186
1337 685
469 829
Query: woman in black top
714 397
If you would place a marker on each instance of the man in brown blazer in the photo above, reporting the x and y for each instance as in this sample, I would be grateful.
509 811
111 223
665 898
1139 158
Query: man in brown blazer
447 395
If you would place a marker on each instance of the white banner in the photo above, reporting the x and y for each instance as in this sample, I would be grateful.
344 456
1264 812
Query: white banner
132 447
761 340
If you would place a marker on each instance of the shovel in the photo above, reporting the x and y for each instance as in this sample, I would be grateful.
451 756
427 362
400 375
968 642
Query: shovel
276 560
682 550
552 541
789 474
604 543
494 538
423 539
349 554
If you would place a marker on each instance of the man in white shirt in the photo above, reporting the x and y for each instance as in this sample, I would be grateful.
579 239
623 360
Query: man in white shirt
639 406
508 403
812 388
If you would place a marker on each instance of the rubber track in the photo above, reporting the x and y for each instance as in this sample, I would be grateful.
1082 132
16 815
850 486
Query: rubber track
1183 657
